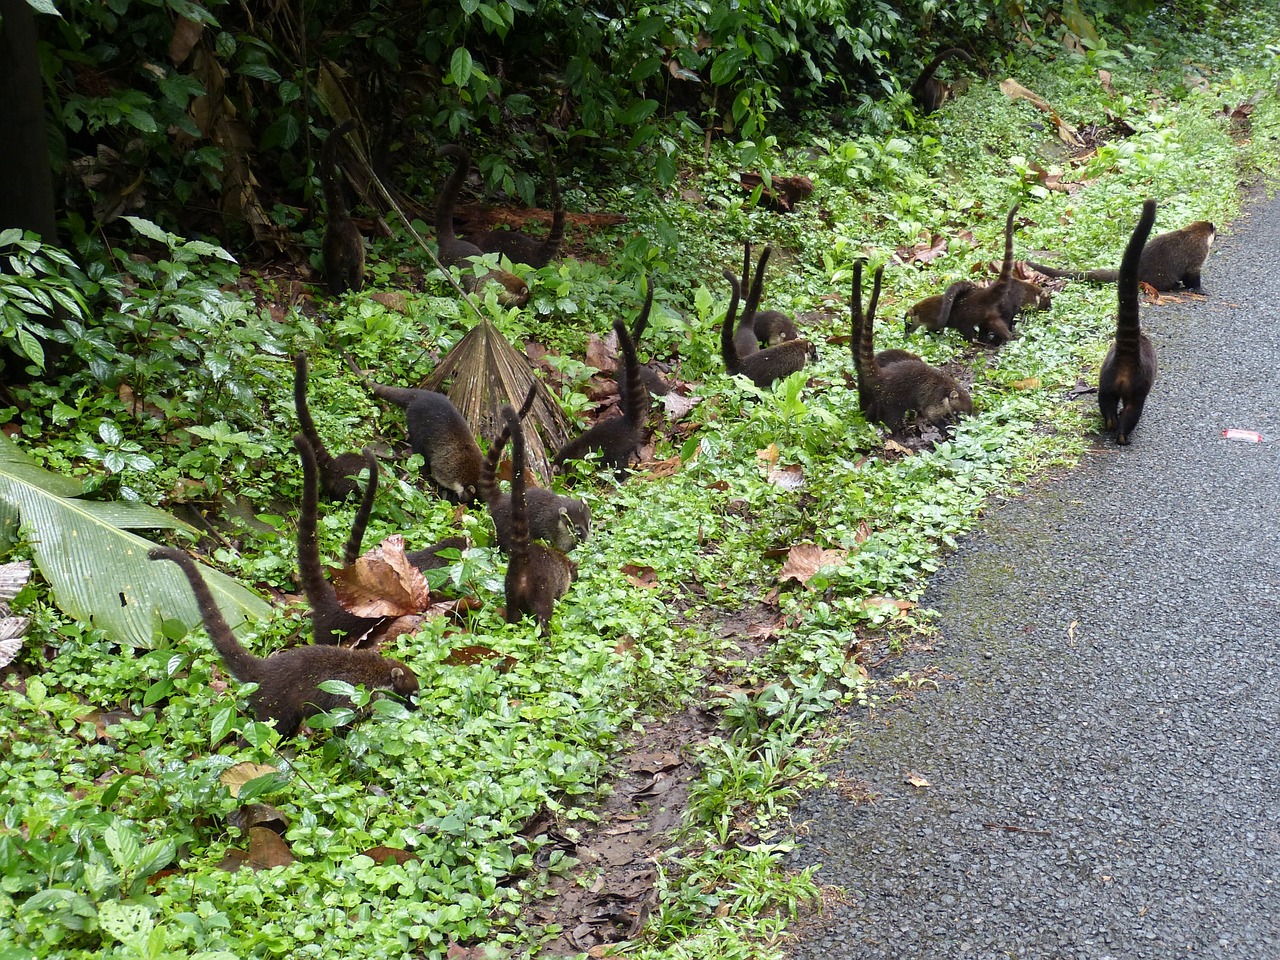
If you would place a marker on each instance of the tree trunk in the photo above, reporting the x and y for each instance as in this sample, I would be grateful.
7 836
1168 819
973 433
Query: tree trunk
26 180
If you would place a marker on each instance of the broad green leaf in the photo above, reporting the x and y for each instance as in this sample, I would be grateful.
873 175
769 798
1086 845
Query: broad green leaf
129 923
460 66
99 572
148 230
124 844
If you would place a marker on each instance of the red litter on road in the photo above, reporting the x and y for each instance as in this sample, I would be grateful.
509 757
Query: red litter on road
1248 436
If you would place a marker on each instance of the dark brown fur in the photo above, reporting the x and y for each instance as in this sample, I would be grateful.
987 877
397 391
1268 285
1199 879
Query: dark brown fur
984 313
438 431
928 92
901 388
429 558
520 247
620 438
338 475
342 245
1129 369
453 250
537 576
330 622
764 366
770 327
562 521
289 681
1168 260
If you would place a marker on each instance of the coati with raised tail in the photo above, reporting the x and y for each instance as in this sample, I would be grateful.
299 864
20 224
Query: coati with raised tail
1169 259
330 621
438 431
537 576
770 326
342 246
620 438
562 521
653 381
984 313
929 92
289 680
894 385
520 247
453 250
338 475
1023 293
764 366
1129 369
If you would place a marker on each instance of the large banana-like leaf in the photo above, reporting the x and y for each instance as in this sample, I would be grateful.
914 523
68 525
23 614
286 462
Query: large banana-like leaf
97 569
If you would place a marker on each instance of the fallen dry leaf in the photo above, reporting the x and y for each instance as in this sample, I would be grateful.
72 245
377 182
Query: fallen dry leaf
391 299
788 478
769 455
600 355
678 406
806 559
382 583
267 849
478 653
1030 383
901 605
925 251
915 779
640 576
235 777
383 854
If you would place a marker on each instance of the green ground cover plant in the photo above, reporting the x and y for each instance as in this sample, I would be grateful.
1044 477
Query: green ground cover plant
126 798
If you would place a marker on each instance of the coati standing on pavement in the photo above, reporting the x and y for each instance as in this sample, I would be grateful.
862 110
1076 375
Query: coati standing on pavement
562 521
454 251
762 367
1168 259
929 92
619 438
769 326
896 384
338 475
342 246
330 621
289 680
984 313
1129 369
537 576
520 247
438 431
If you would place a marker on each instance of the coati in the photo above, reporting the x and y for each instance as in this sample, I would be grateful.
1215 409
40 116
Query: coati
537 576
330 622
1129 369
338 475
429 558
289 680
1023 293
929 92
984 313
454 251
745 341
653 381
619 438
438 431
1168 259
764 366
562 521
520 247
770 326
895 384
342 245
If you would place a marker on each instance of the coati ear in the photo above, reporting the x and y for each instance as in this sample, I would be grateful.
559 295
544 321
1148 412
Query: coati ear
396 673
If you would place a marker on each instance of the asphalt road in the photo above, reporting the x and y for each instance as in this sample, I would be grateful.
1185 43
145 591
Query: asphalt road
1103 754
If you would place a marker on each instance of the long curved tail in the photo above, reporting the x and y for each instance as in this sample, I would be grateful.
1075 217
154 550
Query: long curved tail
237 659
728 352
1128 328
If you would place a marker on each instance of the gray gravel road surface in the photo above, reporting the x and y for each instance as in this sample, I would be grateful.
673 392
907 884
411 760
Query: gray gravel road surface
1103 753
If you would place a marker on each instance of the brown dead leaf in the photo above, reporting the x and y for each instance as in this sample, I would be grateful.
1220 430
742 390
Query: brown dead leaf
915 779
103 720
267 849
926 250
1016 91
382 583
900 605
478 653
1030 383
677 406
136 406
787 478
663 468
1104 78
394 854
806 559
600 355
235 777
252 815
186 34
893 446
640 576
769 455
391 299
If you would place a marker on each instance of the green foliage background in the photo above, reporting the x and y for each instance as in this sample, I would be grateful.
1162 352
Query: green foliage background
110 771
